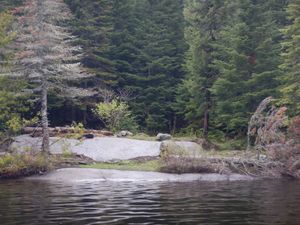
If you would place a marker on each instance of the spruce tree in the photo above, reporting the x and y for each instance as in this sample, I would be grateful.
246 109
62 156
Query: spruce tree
93 25
248 67
45 54
291 65
148 54
204 21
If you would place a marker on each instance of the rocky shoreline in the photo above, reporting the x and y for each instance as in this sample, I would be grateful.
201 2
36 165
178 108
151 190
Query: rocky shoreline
90 175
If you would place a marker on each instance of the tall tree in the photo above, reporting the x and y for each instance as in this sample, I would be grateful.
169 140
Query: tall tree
11 104
148 48
291 65
92 24
204 21
6 36
249 64
45 53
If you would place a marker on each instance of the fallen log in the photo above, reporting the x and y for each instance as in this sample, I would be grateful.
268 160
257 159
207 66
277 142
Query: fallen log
63 131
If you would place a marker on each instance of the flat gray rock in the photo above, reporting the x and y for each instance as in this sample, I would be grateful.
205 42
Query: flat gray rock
99 149
86 175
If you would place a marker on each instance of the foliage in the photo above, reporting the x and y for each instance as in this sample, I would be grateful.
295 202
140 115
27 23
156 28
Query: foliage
267 125
78 131
148 49
115 115
294 129
92 24
17 165
249 49
132 165
291 64
205 20
12 105
9 4
46 55
6 36
193 65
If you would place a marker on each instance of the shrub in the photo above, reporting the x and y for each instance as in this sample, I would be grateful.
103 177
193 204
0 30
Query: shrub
294 129
115 115
77 131
17 165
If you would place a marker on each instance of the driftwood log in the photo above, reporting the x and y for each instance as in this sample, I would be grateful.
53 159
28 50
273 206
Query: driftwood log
64 131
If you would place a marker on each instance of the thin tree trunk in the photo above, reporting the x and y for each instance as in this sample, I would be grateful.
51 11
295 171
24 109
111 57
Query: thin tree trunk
174 124
45 123
206 123
85 115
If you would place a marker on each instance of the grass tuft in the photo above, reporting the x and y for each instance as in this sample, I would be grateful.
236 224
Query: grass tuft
131 165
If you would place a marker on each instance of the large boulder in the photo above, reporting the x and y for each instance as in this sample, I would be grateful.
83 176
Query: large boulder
124 133
181 149
163 137
99 148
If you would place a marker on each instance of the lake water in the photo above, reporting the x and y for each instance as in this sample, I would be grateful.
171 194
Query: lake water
88 203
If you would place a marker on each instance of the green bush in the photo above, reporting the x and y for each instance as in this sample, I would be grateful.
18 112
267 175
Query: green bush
12 105
116 115
17 165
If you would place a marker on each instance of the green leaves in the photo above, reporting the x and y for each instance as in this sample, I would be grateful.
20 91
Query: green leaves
115 115
6 36
248 64
291 64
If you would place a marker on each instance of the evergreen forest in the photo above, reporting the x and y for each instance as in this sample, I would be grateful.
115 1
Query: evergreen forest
175 66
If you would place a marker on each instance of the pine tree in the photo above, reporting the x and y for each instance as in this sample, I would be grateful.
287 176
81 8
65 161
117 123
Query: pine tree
248 67
291 65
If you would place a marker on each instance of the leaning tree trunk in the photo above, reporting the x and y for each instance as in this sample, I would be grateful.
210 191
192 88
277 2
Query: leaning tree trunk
44 112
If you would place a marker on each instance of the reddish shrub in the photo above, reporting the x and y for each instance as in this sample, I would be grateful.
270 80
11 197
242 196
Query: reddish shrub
294 129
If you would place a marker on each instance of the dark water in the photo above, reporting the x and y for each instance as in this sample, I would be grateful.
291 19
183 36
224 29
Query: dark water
255 202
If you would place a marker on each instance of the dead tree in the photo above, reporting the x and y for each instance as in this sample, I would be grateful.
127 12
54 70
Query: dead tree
266 126
46 55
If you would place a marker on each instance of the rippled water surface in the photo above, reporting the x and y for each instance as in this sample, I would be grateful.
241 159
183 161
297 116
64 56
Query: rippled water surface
226 203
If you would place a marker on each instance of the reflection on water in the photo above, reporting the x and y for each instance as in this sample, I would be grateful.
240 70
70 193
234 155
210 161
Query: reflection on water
255 202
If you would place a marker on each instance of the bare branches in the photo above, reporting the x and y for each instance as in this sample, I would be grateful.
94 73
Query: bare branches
265 126
107 94
44 46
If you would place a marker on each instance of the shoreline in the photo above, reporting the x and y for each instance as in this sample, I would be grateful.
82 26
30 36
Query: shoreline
90 175
129 156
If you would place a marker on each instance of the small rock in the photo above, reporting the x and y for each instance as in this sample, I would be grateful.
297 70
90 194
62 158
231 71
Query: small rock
88 136
262 157
124 133
163 137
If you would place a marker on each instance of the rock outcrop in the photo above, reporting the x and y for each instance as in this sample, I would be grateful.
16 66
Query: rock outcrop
163 137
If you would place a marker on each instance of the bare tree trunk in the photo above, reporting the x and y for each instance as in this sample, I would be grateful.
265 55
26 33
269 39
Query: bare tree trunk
45 123
206 123
174 124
